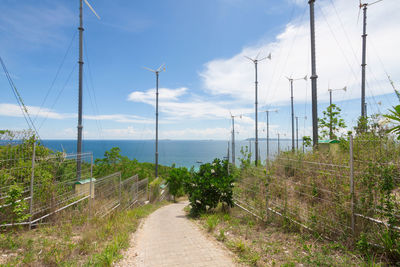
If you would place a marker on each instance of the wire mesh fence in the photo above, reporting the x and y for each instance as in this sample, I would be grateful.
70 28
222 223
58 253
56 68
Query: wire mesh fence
40 186
343 192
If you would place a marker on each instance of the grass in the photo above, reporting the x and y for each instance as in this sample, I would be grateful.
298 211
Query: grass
73 244
257 243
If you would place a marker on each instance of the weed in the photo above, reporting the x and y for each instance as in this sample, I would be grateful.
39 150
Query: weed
212 221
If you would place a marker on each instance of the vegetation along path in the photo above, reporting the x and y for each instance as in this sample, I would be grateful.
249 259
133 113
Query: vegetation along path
168 238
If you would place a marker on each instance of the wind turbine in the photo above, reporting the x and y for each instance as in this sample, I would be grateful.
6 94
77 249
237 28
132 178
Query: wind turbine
268 111
157 72
364 6
80 126
330 105
291 97
233 137
255 61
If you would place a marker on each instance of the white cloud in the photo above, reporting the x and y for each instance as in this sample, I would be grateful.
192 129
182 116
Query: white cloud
338 57
172 105
13 110
149 96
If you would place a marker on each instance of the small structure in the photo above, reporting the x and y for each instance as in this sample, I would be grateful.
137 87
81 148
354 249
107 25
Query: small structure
329 146
82 187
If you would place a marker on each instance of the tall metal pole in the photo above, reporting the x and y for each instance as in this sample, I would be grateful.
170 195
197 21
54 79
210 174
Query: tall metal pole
79 144
233 141
279 145
330 116
157 123
267 137
256 107
364 64
314 76
291 97
297 133
31 185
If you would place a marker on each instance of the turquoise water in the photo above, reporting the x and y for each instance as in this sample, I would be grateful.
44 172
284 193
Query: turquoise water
183 153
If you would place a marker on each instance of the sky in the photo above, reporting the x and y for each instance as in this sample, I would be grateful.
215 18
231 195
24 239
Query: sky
204 45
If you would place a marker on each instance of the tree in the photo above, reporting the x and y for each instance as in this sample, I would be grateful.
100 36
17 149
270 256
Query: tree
307 141
209 186
394 116
331 122
175 180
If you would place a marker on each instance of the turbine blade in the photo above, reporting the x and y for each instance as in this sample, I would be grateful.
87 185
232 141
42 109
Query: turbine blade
149 69
161 68
249 58
261 59
375 2
258 55
359 11
91 8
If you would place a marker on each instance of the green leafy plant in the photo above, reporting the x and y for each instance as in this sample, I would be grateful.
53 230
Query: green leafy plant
394 116
245 160
175 181
209 186
331 122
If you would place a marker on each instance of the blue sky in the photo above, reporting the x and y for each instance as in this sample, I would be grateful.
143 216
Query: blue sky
203 44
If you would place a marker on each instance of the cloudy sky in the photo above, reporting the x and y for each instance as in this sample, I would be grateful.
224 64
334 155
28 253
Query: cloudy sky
204 44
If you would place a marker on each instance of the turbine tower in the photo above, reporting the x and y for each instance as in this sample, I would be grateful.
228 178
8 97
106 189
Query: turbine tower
157 72
291 97
80 126
255 61
364 6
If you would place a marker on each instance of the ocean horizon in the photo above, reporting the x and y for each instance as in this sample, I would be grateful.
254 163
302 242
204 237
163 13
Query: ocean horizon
182 153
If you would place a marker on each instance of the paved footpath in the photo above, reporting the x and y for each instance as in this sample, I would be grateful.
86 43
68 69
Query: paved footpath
168 238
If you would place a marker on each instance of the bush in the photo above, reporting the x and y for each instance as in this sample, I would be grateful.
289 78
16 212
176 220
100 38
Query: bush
209 186
175 181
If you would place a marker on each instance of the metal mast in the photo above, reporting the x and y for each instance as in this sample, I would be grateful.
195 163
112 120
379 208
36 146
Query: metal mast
330 105
157 72
80 126
233 139
314 76
255 61
79 147
268 111
291 98
364 55
364 58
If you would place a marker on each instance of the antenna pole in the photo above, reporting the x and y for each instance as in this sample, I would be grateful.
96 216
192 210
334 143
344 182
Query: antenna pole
157 124
279 145
233 141
313 77
267 137
297 133
364 64
291 97
256 107
330 116
79 145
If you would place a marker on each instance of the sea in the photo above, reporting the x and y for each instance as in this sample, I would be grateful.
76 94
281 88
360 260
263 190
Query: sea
182 153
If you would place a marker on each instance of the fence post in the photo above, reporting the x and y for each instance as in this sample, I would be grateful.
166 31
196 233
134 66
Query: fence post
31 186
137 188
120 188
147 190
267 195
352 183
90 186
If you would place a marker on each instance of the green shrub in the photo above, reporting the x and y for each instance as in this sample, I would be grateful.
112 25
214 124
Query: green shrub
175 181
209 186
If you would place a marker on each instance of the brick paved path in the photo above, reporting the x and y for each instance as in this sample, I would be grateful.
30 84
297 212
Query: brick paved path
168 238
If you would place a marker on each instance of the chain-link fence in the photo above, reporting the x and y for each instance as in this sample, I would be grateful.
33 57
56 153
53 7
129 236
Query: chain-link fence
342 192
40 186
